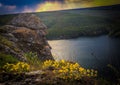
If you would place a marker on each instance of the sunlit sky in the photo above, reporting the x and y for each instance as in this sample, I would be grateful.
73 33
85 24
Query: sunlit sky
21 6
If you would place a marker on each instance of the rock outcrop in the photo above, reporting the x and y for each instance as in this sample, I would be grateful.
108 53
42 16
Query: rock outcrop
25 33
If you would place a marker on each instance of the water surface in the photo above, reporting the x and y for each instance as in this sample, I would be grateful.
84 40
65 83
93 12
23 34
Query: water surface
89 52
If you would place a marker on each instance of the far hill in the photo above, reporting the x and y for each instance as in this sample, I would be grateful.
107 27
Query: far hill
82 22
111 7
79 22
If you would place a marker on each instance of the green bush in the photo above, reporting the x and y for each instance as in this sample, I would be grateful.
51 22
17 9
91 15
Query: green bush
5 58
33 60
19 67
69 71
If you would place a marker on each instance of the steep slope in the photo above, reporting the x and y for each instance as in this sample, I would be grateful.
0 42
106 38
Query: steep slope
25 33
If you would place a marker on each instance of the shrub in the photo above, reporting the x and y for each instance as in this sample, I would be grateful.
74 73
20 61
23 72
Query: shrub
5 58
69 71
17 68
33 60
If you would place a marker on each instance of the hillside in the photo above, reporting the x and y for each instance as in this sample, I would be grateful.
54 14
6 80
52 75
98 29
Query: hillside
79 22
82 22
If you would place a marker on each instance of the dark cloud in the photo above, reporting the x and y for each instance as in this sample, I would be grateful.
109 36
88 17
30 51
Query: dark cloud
20 2
13 6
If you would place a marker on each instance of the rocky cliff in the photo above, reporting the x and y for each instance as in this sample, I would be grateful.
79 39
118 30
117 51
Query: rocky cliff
25 33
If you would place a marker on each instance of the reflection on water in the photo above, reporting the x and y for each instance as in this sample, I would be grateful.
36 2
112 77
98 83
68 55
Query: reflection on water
90 52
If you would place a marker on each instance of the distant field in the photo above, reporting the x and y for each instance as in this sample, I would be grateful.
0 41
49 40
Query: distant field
76 23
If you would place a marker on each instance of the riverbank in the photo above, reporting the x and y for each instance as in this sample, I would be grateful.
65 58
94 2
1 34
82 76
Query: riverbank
80 36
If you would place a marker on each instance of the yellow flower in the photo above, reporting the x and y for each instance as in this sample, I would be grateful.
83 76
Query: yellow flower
62 61
76 65
88 70
84 73
60 71
92 70
19 67
69 70
88 75
81 69
23 65
92 74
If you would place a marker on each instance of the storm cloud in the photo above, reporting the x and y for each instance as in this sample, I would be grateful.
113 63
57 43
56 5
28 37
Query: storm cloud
16 6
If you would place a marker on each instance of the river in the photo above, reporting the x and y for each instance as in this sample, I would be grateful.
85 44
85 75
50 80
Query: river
89 52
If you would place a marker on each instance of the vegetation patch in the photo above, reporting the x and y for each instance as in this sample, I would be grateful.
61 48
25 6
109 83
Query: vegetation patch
68 70
5 58
19 67
51 72
5 41
33 60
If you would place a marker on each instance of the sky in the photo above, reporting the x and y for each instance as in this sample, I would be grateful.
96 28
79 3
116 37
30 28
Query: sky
23 6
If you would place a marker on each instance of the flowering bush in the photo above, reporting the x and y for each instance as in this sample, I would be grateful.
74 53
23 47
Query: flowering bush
67 70
16 68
